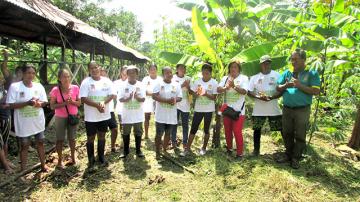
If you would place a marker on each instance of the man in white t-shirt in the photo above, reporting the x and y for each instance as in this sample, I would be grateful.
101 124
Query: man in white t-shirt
113 126
96 93
132 97
28 98
262 88
183 107
150 82
166 94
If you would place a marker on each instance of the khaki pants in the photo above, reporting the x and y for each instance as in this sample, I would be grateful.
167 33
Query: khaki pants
295 122
137 128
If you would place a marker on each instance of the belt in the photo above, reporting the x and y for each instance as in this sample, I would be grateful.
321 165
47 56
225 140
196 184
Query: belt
297 107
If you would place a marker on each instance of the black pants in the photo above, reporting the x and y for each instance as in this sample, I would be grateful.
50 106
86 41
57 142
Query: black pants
198 117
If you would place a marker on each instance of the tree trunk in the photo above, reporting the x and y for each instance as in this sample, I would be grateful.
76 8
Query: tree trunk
216 130
355 137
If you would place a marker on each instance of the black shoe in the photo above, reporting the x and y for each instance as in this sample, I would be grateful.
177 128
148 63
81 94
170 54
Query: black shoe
90 153
113 150
295 164
256 153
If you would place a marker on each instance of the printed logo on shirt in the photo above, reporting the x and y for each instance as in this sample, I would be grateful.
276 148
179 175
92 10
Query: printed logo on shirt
36 93
232 96
132 105
173 89
209 89
98 98
202 100
105 87
162 88
272 81
22 94
167 106
29 112
92 87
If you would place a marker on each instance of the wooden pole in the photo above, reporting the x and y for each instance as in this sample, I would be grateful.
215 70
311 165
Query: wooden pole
62 57
73 67
43 67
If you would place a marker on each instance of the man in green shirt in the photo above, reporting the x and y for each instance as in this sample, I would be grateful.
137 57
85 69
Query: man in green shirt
298 88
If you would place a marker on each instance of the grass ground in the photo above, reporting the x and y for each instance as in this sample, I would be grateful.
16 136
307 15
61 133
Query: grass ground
325 175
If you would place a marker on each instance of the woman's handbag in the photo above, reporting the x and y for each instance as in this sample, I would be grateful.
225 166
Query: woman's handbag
73 120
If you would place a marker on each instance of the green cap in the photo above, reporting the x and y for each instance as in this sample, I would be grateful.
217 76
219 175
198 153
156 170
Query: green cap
265 58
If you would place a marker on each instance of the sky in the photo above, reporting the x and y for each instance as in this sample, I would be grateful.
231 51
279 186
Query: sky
149 13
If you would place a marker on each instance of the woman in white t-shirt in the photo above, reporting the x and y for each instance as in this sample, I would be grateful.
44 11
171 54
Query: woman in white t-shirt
150 82
28 98
96 92
132 97
166 94
204 91
262 88
234 86
183 107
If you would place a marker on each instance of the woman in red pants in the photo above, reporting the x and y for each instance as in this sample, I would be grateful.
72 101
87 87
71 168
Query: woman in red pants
234 87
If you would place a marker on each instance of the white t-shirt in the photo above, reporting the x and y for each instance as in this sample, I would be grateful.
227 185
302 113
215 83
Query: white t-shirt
232 97
132 111
203 103
167 113
28 120
118 85
184 105
149 84
97 91
265 84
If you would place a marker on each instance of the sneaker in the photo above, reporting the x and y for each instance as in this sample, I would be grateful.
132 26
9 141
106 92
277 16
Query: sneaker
123 156
184 153
202 152
140 154
295 164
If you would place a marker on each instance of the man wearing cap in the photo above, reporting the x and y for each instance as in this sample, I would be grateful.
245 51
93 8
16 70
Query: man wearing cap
132 96
298 88
262 88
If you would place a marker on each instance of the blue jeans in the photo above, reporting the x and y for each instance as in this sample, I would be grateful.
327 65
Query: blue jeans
185 127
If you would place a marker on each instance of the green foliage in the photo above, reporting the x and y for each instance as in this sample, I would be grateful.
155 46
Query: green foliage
118 22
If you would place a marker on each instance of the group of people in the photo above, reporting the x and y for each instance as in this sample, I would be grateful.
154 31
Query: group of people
170 98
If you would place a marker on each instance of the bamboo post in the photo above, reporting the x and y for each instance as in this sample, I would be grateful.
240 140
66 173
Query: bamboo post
43 67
